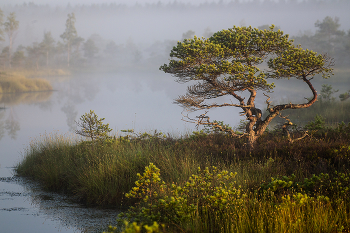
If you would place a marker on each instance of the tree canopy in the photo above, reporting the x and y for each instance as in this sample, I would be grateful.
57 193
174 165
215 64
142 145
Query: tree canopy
47 45
11 27
230 62
90 49
329 39
329 27
1 23
69 34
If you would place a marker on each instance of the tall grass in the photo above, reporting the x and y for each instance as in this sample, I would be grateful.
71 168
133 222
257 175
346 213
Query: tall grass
101 173
253 215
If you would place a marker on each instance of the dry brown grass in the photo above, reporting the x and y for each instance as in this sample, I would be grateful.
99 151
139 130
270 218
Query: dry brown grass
16 83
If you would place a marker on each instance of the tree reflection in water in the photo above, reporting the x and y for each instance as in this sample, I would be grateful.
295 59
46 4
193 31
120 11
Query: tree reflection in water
12 124
9 122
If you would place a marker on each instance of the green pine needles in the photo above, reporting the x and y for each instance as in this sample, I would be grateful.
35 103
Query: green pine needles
240 62
92 127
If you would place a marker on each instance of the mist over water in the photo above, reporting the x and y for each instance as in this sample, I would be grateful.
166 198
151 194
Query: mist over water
125 100
148 23
120 80
120 77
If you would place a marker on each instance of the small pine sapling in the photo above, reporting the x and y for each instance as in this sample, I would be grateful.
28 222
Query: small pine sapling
92 127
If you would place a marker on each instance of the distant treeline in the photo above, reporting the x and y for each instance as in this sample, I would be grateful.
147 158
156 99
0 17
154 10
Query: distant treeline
181 5
63 45
328 39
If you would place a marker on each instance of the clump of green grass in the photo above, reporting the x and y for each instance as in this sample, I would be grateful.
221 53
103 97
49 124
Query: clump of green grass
102 173
17 83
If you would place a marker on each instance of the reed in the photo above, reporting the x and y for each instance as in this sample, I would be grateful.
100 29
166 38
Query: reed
98 174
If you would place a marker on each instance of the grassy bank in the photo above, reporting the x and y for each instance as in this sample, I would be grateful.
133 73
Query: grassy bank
14 83
278 187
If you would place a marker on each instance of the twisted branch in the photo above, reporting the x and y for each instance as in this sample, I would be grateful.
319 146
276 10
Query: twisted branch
286 131
203 119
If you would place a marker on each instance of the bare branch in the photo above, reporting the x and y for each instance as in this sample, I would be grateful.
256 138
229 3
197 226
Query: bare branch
194 102
286 131
268 102
203 119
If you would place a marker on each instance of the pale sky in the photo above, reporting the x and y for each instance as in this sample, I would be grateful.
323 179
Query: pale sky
80 2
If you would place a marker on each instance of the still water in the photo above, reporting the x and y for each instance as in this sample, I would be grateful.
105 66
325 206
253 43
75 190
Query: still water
137 101
132 100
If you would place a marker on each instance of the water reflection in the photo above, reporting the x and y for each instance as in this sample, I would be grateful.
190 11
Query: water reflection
125 100
9 124
140 101
71 114
11 99
24 200
9 121
2 123
69 212
12 124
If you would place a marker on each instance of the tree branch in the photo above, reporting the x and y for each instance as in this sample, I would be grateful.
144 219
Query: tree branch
286 131
203 119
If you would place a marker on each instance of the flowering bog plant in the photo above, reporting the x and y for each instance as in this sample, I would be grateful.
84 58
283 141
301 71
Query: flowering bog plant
335 186
209 190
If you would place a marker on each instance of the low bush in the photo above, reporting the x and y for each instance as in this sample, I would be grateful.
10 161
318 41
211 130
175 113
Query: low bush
211 201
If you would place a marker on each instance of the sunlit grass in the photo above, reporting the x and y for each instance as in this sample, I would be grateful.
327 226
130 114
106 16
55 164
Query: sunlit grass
14 83
253 215
98 174
101 173
207 204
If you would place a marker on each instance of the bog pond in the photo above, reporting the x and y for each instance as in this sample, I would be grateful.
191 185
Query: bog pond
126 101
131 100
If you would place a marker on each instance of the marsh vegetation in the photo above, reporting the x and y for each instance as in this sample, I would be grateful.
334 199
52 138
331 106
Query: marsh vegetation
206 180
278 186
